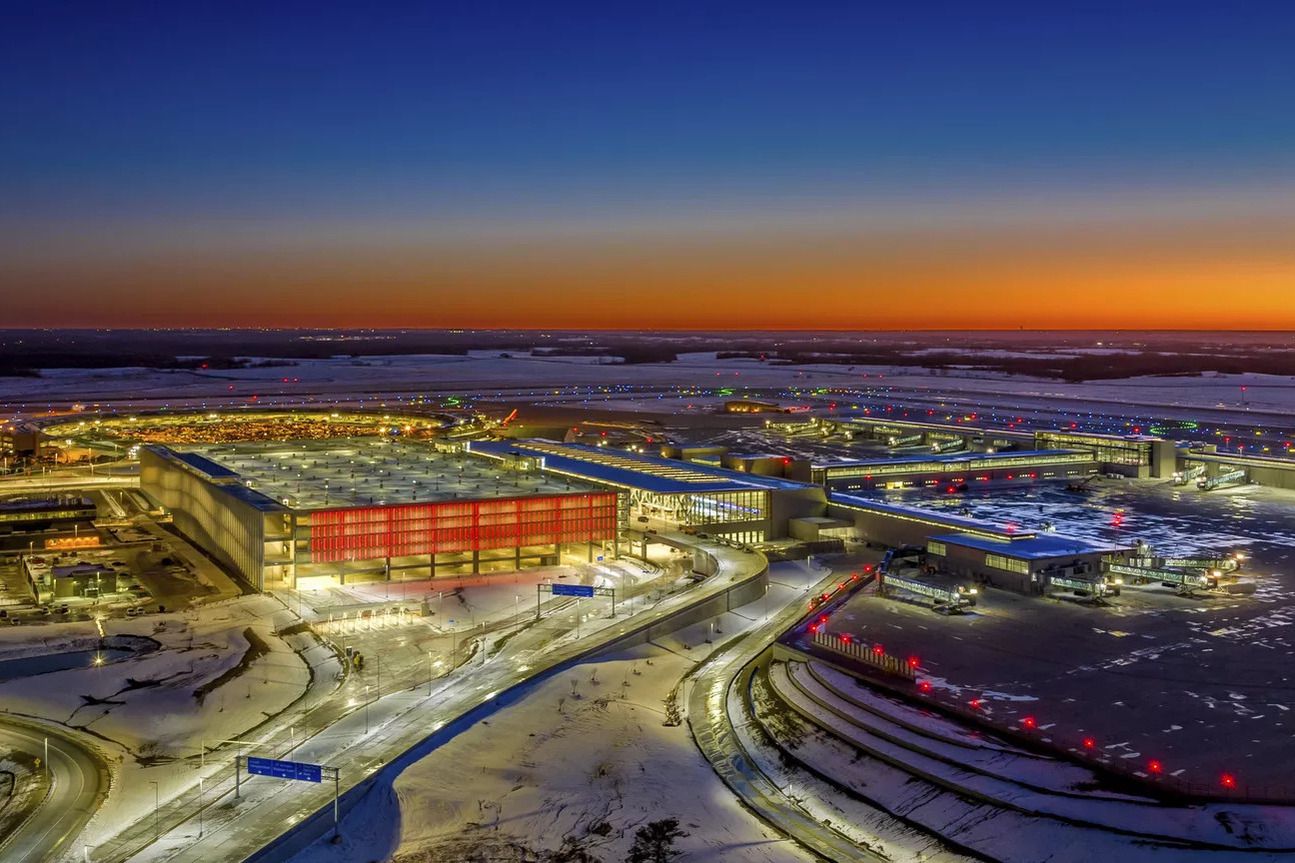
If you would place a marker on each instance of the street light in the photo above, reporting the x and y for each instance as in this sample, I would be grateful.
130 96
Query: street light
157 806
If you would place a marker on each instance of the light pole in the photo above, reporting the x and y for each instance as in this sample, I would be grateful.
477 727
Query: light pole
430 673
201 800
366 709
157 807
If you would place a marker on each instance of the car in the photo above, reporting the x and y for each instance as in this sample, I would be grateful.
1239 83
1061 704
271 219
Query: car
134 611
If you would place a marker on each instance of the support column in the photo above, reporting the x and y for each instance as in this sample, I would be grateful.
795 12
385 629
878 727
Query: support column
517 557
476 563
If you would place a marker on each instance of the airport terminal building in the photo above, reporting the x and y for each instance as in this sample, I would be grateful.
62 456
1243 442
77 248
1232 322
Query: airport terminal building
666 494
319 512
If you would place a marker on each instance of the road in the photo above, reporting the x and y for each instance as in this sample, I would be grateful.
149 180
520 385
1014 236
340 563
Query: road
72 800
389 733
712 728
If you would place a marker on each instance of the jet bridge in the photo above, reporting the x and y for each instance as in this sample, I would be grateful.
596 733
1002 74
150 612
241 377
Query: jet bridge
945 600
1230 477
1093 589
1183 581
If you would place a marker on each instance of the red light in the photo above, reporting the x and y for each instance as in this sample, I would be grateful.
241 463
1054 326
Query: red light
841 586
913 662
1090 743
1227 780
1029 722
813 627
877 649
845 637
924 686
868 567
975 703
823 619
1154 766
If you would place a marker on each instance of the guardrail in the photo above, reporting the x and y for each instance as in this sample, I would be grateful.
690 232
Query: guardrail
874 656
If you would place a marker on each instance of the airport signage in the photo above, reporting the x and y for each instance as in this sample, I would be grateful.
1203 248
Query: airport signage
573 590
285 769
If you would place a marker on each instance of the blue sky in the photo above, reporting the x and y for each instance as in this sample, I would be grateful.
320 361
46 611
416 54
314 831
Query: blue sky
132 120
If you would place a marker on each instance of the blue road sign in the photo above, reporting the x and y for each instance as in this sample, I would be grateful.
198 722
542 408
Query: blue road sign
285 769
573 590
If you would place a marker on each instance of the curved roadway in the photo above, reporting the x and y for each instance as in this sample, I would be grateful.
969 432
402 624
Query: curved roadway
405 726
72 799
713 730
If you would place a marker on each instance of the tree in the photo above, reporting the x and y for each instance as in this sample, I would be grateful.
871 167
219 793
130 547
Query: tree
572 851
654 842
673 715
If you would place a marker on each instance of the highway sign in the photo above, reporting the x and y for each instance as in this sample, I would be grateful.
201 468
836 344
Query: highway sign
285 769
573 590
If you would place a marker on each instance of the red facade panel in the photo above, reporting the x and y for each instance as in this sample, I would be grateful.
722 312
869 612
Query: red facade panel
400 530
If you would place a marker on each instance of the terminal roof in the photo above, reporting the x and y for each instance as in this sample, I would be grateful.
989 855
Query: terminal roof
632 470
917 513
1037 546
951 458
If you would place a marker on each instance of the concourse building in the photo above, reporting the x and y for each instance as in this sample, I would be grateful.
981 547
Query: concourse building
666 494
954 472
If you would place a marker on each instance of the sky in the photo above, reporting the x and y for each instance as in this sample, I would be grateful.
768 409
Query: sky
853 165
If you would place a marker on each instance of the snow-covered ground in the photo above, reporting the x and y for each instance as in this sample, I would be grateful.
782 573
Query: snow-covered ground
585 755
1002 808
375 377
143 713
